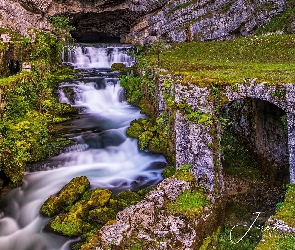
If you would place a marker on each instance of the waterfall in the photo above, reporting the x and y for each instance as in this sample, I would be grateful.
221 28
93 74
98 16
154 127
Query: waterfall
100 150
86 56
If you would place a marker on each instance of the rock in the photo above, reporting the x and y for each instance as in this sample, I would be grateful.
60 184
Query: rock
69 194
99 197
142 21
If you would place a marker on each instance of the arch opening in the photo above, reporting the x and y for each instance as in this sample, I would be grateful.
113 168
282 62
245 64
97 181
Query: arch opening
261 127
255 162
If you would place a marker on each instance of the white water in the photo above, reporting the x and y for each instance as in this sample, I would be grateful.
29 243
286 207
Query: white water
85 56
101 151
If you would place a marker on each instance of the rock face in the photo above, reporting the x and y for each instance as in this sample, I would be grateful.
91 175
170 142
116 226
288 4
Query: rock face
149 223
142 21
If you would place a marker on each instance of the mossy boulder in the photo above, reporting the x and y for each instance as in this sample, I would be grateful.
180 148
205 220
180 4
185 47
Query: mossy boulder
127 198
101 215
73 223
136 128
67 196
120 67
99 197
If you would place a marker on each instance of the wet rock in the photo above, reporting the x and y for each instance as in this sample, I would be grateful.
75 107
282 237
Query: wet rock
69 194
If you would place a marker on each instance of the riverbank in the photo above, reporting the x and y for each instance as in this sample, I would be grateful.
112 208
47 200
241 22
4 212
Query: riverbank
29 105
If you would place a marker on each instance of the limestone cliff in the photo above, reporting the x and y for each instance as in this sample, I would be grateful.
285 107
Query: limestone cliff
144 21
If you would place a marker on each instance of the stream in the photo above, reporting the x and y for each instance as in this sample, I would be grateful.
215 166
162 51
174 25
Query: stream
100 150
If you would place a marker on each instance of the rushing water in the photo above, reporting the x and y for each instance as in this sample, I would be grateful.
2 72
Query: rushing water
100 150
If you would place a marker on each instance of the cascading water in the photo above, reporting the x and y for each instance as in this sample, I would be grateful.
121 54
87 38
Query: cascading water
100 150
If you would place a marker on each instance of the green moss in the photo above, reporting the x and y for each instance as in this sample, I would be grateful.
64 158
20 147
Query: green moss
99 197
69 194
190 203
169 172
184 174
286 211
101 215
237 160
121 67
276 240
127 197
153 134
221 239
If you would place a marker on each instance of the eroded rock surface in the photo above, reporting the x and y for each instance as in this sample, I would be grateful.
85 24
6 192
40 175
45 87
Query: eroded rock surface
142 21
150 223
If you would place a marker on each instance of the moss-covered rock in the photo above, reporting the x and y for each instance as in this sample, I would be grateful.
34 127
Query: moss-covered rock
127 198
99 197
169 171
121 67
101 215
69 194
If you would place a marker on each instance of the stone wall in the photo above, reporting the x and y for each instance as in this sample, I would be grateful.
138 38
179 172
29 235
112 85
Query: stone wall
258 120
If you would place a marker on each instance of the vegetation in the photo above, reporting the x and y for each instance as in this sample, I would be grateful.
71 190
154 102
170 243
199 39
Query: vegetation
78 211
152 133
237 160
269 58
281 22
189 202
221 239
274 238
29 106
69 194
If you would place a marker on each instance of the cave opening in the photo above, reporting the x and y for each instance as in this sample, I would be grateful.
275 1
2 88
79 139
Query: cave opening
103 27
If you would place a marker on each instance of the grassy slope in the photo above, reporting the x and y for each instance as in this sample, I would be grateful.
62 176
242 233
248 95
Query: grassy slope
270 58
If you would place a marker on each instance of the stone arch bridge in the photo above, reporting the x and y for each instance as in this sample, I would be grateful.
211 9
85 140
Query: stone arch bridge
266 118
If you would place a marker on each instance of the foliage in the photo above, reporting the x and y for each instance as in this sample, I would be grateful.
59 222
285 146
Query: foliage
61 27
30 106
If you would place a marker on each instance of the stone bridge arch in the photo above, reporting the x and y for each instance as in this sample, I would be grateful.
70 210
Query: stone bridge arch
195 143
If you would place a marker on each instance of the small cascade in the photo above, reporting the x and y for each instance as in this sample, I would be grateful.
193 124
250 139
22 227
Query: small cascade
100 150
89 57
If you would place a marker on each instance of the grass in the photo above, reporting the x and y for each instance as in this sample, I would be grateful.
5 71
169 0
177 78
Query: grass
269 58
286 211
275 239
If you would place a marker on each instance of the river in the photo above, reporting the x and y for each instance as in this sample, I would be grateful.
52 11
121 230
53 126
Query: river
100 150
